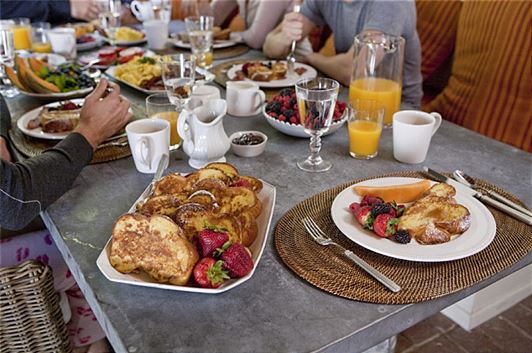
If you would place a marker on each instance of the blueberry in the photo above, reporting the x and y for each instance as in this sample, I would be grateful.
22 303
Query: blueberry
402 236
286 92
274 107
288 113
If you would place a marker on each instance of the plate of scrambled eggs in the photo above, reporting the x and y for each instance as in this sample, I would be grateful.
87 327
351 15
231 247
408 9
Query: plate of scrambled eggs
129 36
141 73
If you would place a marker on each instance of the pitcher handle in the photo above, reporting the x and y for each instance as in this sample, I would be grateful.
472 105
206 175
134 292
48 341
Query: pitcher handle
183 127
144 151
261 98
437 122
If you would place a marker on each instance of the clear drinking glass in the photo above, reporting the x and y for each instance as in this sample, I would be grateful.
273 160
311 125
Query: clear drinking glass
21 33
158 106
178 73
365 126
316 99
162 9
7 56
110 18
39 40
200 35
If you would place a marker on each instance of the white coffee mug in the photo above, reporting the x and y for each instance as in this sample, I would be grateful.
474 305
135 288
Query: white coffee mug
202 94
244 98
412 132
156 33
148 139
142 10
63 41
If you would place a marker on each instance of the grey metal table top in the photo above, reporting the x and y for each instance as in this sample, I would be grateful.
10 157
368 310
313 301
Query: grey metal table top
275 311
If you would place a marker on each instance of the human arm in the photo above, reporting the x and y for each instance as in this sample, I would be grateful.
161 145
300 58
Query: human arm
221 9
28 187
295 26
55 11
337 67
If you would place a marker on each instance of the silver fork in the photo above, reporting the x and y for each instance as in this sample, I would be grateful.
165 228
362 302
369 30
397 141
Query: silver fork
321 238
291 58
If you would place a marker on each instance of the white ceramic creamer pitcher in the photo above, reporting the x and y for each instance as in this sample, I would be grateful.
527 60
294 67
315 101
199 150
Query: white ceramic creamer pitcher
203 134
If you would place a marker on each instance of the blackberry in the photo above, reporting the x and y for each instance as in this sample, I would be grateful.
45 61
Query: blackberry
288 113
274 107
293 101
402 236
286 92
380 208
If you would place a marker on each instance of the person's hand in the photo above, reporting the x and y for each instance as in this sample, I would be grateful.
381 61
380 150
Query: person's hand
292 27
4 152
102 117
127 17
87 10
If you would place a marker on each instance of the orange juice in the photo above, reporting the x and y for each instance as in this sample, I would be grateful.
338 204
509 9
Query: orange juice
41 47
21 37
171 117
387 92
364 138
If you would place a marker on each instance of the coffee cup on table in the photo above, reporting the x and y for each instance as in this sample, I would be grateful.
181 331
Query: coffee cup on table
202 94
244 98
156 33
148 139
63 41
412 132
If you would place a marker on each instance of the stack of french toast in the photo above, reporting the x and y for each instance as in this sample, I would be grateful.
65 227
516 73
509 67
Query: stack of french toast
159 237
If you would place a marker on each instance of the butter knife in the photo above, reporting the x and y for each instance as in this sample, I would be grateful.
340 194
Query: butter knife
479 196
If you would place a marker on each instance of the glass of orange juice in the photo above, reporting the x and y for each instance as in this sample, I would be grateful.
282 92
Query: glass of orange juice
39 40
365 126
158 106
378 71
21 33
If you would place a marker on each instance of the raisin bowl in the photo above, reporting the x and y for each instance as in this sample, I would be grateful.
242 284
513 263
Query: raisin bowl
281 113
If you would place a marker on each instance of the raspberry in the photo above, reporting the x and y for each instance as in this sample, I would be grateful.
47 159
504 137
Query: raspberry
402 236
293 120
282 117
273 114
380 208
274 107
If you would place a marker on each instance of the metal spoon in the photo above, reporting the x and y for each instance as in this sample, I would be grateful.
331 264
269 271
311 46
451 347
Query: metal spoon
291 58
467 180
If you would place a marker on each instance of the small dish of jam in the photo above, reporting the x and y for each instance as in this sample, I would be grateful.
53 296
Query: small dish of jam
248 143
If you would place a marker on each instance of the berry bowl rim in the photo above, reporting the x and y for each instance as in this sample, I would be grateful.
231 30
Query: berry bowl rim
297 130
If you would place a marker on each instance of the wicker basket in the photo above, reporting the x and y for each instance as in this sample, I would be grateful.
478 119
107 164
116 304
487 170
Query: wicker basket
30 315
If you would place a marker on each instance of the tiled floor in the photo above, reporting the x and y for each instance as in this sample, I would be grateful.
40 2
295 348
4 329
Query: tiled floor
510 332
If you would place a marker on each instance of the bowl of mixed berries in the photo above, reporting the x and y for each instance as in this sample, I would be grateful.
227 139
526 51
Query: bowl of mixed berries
282 114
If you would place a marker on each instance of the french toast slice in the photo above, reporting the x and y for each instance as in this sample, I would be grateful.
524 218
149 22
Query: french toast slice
166 204
234 200
227 168
207 173
436 218
256 184
155 245
193 218
171 184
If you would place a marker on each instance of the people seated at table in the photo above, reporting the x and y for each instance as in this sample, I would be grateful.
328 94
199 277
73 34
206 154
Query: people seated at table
347 18
259 18
29 186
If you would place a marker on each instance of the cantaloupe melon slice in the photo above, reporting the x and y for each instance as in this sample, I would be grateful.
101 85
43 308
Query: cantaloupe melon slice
397 193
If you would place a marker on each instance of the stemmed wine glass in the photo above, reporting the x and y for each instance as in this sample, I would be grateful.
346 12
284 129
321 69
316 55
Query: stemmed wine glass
7 56
110 18
178 72
316 99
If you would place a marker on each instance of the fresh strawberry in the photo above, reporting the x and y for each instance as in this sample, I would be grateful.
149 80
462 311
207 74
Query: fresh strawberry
209 240
369 200
208 273
364 217
354 207
70 106
385 225
242 182
237 260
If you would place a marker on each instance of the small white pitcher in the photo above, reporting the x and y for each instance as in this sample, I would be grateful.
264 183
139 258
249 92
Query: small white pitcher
203 134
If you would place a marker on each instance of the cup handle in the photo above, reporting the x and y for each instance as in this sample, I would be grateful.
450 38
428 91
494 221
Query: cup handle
261 98
437 122
183 132
143 150
133 6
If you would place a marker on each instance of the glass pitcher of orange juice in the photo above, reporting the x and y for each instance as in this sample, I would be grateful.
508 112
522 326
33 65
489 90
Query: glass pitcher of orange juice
378 71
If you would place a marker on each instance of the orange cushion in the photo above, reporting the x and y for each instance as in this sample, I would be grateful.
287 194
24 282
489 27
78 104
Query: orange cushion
437 22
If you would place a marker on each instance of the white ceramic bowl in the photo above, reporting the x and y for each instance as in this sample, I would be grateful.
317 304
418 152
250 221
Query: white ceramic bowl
248 150
297 130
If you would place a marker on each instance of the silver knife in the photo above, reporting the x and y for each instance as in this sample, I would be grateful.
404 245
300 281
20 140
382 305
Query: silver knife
479 196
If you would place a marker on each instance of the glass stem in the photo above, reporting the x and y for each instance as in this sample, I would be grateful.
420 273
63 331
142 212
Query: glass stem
315 147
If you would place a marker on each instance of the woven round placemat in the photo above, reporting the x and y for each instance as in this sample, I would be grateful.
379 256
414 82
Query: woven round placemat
31 147
217 54
326 268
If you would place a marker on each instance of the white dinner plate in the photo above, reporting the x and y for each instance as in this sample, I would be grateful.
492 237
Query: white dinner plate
267 198
22 123
111 72
216 44
479 235
87 58
288 81
97 42
126 43
297 130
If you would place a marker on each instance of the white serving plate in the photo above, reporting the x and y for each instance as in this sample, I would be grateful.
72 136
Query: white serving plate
98 41
216 44
266 196
288 81
297 130
479 235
